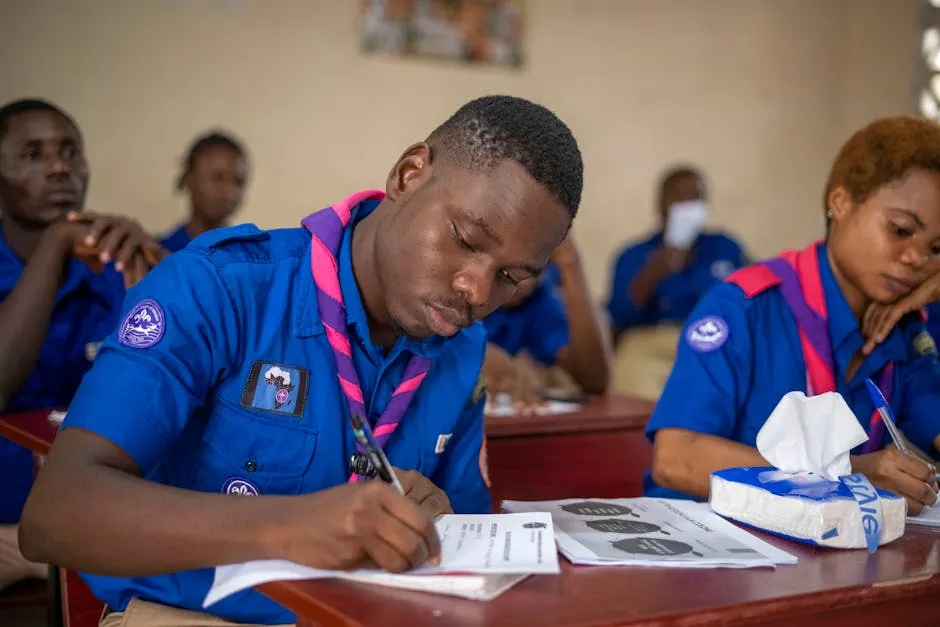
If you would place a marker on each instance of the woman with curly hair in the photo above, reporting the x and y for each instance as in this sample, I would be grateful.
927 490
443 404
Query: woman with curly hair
795 323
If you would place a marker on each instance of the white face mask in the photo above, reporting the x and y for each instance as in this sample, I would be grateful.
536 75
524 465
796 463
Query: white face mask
684 223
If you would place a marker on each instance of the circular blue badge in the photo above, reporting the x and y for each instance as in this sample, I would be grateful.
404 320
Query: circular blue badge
143 326
240 487
707 334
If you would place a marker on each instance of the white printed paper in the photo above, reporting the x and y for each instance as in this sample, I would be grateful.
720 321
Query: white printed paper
651 532
504 409
485 544
928 517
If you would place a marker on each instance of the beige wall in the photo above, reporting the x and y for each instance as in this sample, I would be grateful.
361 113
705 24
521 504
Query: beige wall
758 92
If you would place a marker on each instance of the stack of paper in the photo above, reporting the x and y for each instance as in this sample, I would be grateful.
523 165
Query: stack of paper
928 517
651 532
506 410
481 556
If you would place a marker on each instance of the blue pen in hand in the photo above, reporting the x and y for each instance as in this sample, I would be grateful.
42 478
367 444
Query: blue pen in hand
884 410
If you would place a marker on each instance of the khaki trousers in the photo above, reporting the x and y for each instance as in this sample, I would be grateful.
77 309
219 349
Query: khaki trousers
13 566
145 614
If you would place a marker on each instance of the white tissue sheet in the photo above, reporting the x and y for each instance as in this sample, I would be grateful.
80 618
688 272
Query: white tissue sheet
802 506
811 434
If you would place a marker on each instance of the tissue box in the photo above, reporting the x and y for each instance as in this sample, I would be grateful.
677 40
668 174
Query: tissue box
804 507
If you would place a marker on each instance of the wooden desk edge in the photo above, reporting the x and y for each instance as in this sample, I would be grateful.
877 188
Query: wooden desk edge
775 608
24 438
286 595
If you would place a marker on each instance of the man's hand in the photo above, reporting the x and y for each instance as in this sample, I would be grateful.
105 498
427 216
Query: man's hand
358 525
98 239
904 474
879 320
420 490
566 255
505 375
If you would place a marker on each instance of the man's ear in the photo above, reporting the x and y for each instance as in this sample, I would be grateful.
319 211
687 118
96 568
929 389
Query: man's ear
411 170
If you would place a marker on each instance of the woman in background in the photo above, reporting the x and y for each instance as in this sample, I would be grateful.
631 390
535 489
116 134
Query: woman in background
215 174
795 323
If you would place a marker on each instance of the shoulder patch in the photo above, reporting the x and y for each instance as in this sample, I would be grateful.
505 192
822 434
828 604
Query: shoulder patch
924 344
143 326
707 334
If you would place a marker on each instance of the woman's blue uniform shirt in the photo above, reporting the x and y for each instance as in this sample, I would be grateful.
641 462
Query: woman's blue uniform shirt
729 386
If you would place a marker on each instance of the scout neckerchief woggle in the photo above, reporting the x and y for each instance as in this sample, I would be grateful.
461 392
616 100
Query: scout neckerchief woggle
326 229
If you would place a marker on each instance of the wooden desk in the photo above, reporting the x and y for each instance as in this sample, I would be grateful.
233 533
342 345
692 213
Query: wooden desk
898 585
599 451
31 429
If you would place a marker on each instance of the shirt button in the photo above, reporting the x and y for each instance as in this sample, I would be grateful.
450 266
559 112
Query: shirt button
251 466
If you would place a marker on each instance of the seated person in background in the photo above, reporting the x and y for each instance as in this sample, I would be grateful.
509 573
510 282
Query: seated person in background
794 323
54 308
661 278
565 332
215 174
241 358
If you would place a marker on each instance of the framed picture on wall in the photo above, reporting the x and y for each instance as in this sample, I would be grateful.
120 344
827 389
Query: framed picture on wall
471 31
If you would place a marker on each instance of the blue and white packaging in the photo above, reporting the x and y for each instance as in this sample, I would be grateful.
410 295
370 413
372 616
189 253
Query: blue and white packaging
848 513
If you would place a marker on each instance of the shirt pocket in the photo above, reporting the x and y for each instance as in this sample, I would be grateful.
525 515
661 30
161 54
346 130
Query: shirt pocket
250 454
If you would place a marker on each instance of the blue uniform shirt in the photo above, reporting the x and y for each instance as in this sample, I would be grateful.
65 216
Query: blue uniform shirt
85 311
729 387
176 240
539 325
715 256
933 320
225 382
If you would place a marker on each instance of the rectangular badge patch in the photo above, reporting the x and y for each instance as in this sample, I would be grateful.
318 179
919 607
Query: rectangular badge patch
276 388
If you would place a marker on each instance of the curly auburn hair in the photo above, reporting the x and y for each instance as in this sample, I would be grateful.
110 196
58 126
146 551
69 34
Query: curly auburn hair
883 152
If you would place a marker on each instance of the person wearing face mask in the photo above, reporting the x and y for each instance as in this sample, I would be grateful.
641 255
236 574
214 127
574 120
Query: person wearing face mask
215 175
659 279
798 323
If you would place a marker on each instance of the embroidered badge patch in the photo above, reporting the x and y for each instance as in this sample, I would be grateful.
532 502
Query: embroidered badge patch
143 326
442 441
240 487
707 334
924 344
276 388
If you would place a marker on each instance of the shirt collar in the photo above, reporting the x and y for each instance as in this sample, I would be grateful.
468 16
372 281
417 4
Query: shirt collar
844 332
308 320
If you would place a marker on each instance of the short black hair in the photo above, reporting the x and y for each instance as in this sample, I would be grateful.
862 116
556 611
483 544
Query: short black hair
676 171
491 129
27 105
212 139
